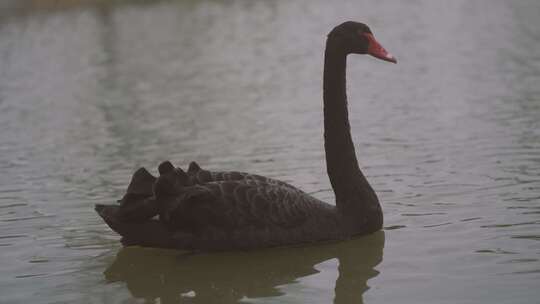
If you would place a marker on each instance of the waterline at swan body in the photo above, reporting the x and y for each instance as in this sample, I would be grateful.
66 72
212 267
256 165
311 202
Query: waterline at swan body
210 211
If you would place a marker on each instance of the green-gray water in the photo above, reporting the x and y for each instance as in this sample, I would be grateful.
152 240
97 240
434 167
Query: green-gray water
449 138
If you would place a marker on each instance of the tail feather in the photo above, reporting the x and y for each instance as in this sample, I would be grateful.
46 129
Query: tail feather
150 233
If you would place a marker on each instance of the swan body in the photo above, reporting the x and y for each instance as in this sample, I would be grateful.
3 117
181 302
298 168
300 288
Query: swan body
210 211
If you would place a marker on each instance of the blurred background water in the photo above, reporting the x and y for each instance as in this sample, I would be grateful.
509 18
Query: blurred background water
449 138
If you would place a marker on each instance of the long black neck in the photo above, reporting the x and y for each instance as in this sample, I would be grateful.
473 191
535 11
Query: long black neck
353 193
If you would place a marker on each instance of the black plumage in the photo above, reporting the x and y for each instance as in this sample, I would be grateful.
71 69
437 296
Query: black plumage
207 210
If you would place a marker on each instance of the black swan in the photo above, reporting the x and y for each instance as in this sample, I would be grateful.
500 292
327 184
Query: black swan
211 211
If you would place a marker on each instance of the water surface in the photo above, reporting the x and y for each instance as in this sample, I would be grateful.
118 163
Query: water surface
449 139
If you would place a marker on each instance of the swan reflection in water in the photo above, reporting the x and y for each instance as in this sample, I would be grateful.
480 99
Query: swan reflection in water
232 277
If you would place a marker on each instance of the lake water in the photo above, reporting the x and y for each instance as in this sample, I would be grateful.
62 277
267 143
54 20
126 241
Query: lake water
449 138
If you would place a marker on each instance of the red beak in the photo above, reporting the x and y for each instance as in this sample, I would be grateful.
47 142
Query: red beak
376 50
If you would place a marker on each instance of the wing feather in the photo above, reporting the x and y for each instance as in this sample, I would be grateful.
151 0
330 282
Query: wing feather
237 205
199 176
218 210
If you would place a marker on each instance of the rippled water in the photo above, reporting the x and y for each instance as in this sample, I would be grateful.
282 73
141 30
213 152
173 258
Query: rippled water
449 138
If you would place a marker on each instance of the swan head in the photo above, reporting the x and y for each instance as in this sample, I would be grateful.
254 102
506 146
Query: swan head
357 38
